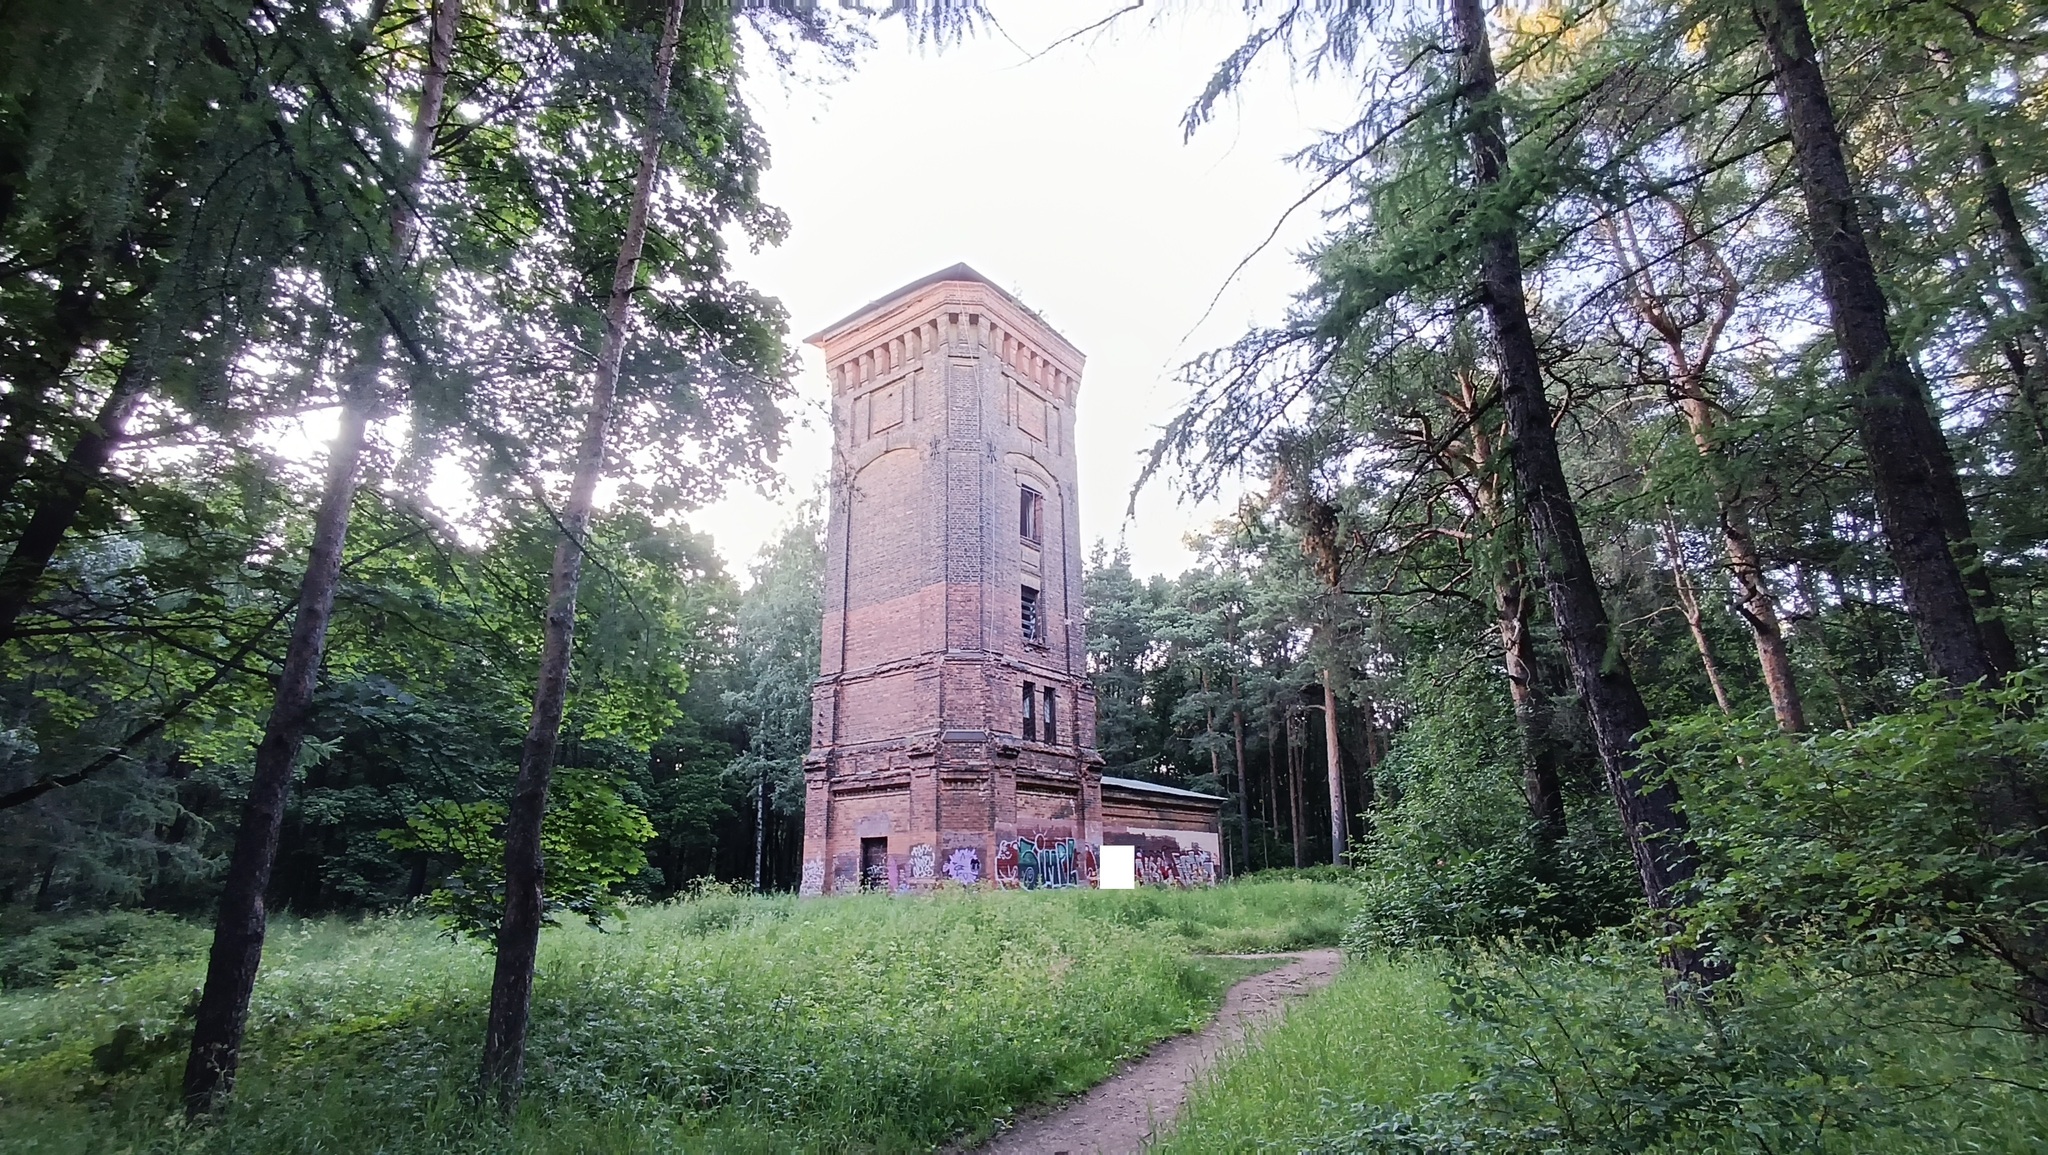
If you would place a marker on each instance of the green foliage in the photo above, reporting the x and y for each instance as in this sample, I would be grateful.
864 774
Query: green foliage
1905 843
777 648
722 1022
1452 858
92 947
592 840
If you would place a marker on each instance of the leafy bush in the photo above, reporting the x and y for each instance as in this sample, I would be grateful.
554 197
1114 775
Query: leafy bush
94 946
1909 844
1451 858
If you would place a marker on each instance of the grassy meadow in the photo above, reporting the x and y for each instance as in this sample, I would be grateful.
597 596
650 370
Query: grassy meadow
722 1022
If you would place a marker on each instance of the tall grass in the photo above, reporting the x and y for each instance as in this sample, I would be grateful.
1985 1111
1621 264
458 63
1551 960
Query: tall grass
1522 1054
723 1022
1376 1036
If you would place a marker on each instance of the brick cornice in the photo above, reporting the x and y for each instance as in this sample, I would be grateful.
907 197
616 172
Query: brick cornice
952 307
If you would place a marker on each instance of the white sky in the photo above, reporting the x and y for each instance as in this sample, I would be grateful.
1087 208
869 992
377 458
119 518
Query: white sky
1065 180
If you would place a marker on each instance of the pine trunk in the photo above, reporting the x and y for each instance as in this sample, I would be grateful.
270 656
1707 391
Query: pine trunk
59 508
1900 440
1334 761
1244 787
1650 818
1541 791
1297 805
239 925
504 1058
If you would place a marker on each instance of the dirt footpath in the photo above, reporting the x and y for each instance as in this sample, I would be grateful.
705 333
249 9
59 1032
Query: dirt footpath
1132 1106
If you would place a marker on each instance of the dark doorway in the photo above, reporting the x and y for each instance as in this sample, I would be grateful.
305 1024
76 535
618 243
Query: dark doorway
874 864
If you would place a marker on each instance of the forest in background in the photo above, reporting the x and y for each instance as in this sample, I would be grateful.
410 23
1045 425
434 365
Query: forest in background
1645 532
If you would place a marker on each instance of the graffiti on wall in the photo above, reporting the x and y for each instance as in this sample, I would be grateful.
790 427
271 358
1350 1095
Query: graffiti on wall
923 863
1178 866
1044 863
964 866
814 878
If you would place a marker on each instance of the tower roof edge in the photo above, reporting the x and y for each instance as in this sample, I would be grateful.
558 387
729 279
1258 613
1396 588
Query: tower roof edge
960 273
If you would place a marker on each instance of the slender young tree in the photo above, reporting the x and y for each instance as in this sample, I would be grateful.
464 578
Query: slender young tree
504 1057
237 950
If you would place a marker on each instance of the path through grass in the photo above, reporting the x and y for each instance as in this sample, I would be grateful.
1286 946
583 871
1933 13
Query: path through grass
722 1023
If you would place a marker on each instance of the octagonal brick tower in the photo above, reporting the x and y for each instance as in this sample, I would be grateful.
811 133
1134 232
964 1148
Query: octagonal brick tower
953 727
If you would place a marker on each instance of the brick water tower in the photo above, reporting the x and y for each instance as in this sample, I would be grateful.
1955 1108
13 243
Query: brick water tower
953 727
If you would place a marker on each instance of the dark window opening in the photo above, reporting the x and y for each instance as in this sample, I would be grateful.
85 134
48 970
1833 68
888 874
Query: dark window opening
1051 728
1030 515
1034 625
874 864
1030 717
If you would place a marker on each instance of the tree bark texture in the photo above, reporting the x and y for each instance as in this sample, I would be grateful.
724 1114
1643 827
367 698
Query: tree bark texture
1904 447
1297 756
1650 817
59 507
1541 791
237 950
1334 762
239 925
504 1058
1244 786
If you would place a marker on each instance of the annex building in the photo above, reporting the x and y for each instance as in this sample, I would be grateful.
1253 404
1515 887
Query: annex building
953 724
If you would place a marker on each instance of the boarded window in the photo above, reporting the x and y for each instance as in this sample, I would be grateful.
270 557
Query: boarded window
1051 727
874 864
1030 515
1030 715
1030 617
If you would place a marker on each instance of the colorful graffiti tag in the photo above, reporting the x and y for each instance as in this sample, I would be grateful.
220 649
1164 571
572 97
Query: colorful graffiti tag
963 866
1044 863
1182 866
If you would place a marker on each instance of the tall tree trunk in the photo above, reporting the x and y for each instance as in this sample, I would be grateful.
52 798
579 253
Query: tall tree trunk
1541 791
240 922
1695 618
1650 817
1334 760
1244 788
761 831
1272 792
239 925
504 1058
59 507
1902 443
2029 354
1297 755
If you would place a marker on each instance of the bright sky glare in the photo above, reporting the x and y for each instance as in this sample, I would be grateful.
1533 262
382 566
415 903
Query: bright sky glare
1065 180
